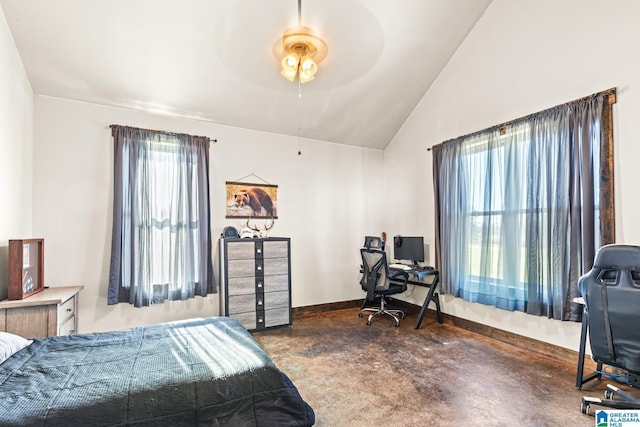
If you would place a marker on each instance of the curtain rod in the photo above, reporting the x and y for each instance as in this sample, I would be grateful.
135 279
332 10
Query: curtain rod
163 132
612 98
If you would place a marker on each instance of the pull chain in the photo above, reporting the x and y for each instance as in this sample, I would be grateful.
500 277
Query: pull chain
299 110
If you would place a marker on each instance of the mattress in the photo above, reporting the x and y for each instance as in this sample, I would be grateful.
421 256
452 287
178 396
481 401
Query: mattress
195 372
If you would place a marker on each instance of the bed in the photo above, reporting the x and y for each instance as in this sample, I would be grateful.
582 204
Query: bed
195 372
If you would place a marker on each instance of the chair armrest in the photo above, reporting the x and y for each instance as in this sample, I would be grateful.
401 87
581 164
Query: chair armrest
399 276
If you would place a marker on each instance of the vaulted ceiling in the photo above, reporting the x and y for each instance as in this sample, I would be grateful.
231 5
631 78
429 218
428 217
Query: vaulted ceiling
214 60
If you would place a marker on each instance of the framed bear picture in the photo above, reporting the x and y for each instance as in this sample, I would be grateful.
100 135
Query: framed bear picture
246 200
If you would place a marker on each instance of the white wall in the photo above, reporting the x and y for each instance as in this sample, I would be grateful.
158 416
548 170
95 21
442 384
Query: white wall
323 205
16 146
522 57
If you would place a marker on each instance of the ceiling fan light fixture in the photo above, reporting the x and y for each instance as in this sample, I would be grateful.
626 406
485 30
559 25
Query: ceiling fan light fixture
303 51
307 68
305 76
290 66
307 64
289 75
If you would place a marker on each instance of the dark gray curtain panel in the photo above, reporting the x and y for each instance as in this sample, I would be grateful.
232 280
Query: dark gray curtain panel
517 209
161 244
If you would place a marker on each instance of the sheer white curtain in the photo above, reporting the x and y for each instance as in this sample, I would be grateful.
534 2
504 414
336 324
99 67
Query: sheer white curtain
161 240
517 210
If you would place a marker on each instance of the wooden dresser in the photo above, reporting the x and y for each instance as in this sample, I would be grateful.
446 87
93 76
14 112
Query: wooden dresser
255 281
52 311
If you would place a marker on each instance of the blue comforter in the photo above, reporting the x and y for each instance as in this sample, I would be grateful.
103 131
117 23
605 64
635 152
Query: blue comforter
207 372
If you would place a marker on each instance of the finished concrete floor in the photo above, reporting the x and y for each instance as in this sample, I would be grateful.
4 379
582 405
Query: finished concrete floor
379 375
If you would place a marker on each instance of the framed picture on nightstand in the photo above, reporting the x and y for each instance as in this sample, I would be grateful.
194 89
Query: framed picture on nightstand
26 267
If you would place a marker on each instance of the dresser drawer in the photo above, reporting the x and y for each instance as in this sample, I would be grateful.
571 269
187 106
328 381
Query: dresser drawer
248 320
279 282
68 327
242 285
276 300
276 266
276 317
277 249
241 250
242 303
66 310
241 267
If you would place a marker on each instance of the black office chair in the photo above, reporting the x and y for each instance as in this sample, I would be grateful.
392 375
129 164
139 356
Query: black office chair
370 242
611 292
378 283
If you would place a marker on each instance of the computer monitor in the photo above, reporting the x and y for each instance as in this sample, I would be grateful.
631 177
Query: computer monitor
408 248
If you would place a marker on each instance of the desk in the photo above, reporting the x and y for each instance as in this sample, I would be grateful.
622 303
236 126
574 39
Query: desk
417 277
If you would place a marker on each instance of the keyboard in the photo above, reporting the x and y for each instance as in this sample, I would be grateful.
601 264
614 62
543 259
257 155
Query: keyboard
400 267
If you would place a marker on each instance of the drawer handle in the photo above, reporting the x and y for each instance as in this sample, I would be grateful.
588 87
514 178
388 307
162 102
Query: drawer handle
259 250
69 310
259 268
260 320
259 302
259 284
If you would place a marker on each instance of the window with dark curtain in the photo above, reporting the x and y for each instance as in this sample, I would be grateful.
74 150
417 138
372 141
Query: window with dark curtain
521 208
161 238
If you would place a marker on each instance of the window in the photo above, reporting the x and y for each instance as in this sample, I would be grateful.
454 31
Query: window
518 210
161 246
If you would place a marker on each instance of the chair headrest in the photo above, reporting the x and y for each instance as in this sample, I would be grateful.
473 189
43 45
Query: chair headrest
621 256
373 242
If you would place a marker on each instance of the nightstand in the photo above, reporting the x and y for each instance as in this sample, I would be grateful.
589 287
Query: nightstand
52 311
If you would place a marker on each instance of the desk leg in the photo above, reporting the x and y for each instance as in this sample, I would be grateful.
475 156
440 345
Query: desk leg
431 295
436 300
580 378
583 343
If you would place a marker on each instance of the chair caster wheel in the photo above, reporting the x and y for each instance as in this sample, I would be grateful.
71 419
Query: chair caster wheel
585 408
397 325
368 322
359 314
608 394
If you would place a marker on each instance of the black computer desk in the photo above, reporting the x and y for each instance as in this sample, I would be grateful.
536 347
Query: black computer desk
419 277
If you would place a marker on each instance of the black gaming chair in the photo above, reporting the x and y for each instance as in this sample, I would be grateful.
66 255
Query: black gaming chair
611 292
378 283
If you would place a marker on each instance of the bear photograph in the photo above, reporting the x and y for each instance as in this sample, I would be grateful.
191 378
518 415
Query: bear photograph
251 200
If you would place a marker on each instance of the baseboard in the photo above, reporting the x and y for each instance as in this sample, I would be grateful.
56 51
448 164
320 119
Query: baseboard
539 347
300 312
